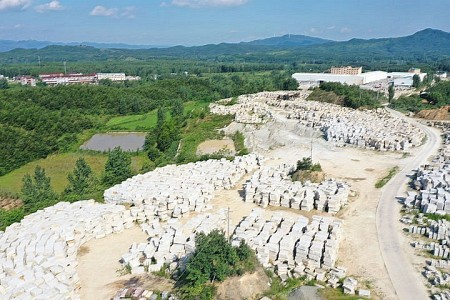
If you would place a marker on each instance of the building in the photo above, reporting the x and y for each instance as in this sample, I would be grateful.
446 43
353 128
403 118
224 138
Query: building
26 80
60 78
111 76
349 70
317 78
405 79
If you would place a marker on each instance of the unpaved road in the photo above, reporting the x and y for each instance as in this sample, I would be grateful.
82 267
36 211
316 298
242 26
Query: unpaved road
406 280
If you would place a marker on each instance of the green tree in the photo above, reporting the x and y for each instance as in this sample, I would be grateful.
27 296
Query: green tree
416 81
3 84
391 92
177 109
161 117
80 180
167 135
117 167
36 191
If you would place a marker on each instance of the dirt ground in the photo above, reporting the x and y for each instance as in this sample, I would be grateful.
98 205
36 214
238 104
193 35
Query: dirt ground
99 267
244 287
214 146
10 203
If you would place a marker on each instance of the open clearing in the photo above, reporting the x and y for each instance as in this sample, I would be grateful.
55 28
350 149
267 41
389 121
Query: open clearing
214 146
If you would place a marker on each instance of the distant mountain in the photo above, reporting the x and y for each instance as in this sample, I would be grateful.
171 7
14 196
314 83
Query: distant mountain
7 45
289 40
424 46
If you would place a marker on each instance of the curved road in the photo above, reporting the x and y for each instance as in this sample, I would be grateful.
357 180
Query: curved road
405 279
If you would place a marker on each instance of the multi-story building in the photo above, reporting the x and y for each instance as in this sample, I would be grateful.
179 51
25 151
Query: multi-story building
26 80
349 70
111 76
60 78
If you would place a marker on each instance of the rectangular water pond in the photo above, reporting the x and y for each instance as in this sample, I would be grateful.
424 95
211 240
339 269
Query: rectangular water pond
128 141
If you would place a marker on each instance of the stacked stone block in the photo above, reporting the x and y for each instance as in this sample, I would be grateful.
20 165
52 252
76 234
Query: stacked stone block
274 186
174 191
38 255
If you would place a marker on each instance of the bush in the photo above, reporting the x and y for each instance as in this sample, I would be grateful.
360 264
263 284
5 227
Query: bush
214 259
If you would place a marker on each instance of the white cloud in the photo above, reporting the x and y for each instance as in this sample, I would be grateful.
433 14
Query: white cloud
331 27
128 12
104 12
53 5
345 30
205 3
14 4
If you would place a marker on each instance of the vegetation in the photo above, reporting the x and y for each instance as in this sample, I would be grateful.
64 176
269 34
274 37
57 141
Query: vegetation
391 92
307 171
348 95
336 294
382 181
239 143
214 260
36 191
117 167
434 97
7 217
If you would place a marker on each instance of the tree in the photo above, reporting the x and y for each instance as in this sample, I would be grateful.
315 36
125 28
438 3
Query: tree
36 191
117 167
177 109
167 135
416 81
391 92
80 180
3 84
161 117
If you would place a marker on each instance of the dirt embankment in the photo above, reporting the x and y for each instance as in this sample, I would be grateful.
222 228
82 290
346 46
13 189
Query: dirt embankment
10 203
434 114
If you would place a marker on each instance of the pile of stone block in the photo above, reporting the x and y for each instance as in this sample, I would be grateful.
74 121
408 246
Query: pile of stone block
372 129
432 182
38 255
174 191
274 186
170 243
142 294
246 111
292 246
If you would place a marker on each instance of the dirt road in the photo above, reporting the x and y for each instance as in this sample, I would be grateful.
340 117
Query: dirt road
406 280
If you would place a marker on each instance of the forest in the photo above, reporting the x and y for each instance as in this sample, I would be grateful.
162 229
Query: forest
35 122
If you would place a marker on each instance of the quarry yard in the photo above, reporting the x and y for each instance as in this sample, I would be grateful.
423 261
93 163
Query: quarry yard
326 231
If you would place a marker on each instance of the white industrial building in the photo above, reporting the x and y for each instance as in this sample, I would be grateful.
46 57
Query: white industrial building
362 78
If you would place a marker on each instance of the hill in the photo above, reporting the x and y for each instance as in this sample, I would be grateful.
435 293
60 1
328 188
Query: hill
289 40
424 46
8 45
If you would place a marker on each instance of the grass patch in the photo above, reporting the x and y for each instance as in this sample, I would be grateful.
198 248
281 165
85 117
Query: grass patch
58 166
145 122
198 131
279 290
382 181
336 294
436 217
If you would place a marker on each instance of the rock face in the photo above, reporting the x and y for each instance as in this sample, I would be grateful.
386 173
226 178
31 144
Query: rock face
38 255
274 186
173 191
371 129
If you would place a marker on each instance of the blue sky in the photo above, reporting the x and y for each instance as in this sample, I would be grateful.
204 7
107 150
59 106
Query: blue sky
196 22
